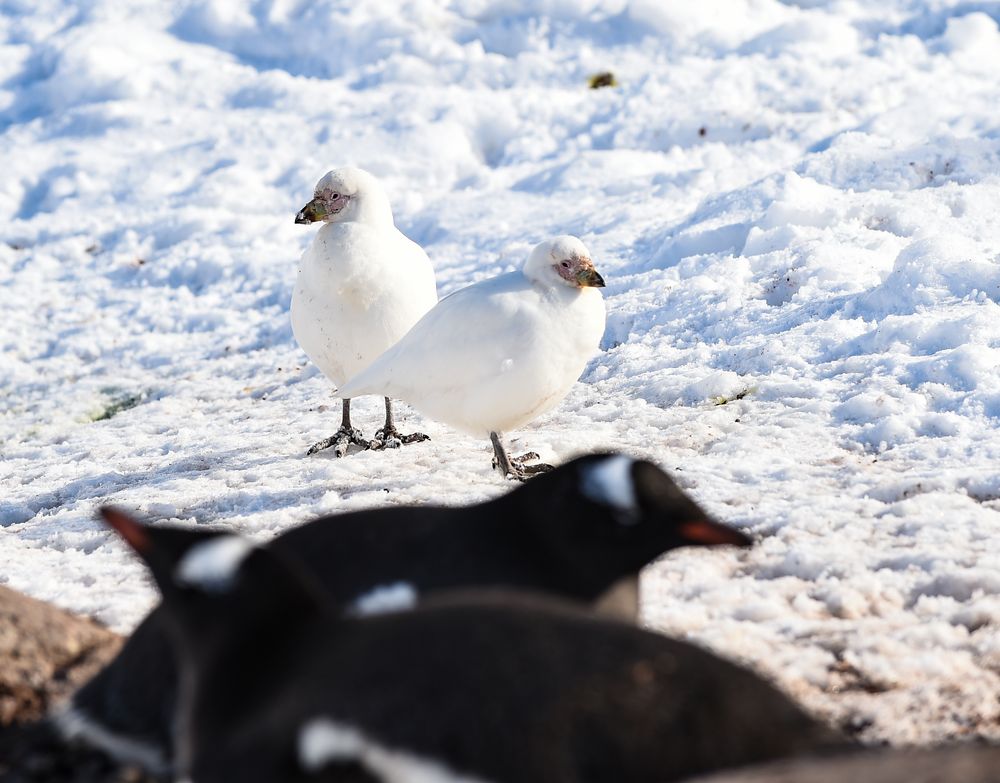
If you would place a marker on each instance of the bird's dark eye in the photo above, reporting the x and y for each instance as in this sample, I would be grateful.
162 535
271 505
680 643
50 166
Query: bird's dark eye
334 196
565 265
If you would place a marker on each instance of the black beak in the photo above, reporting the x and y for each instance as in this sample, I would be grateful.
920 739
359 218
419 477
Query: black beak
311 212
589 278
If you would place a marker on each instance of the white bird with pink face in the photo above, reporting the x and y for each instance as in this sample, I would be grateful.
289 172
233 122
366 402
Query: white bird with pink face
361 286
491 357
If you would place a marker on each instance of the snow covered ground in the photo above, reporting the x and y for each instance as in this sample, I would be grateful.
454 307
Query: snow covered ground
796 206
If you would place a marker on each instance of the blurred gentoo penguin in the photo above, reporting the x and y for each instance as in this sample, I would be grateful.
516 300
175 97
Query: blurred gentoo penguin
281 684
582 531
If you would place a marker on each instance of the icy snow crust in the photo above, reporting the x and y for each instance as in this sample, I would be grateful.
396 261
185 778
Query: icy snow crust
796 206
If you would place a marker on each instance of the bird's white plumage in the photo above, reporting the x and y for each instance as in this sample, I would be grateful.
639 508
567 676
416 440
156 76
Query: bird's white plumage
609 481
361 284
212 565
323 741
395 597
493 356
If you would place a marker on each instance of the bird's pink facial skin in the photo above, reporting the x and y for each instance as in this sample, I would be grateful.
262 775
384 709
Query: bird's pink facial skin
579 271
332 200
325 205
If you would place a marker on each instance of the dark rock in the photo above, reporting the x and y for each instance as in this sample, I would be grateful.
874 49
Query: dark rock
603 79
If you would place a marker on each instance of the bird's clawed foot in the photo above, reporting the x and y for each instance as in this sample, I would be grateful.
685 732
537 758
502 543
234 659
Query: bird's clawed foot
518 471
390 438
514 467
340 441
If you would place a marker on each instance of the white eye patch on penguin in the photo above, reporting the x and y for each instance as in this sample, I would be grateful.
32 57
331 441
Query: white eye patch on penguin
212 566
609 482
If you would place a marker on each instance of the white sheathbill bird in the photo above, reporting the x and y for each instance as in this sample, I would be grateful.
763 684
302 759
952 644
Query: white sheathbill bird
361 286
495 355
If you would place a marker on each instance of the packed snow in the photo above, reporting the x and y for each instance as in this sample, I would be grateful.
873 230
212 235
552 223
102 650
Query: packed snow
796 207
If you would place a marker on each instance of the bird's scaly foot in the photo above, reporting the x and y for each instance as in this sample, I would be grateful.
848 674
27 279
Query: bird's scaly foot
390 438
340 441
518 471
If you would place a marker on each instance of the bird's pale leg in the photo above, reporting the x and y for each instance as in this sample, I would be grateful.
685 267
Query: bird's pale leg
342 438
514 467
389 437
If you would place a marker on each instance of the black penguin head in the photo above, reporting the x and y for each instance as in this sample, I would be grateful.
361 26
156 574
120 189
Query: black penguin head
181 559
212 579
608 515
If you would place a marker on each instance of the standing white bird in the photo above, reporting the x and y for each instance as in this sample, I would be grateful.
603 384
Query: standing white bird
495 355
361 286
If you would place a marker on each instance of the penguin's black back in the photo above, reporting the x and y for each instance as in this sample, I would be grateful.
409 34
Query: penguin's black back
503 690
430 547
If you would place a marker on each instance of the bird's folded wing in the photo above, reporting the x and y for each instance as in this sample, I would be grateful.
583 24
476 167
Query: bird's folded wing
464 340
